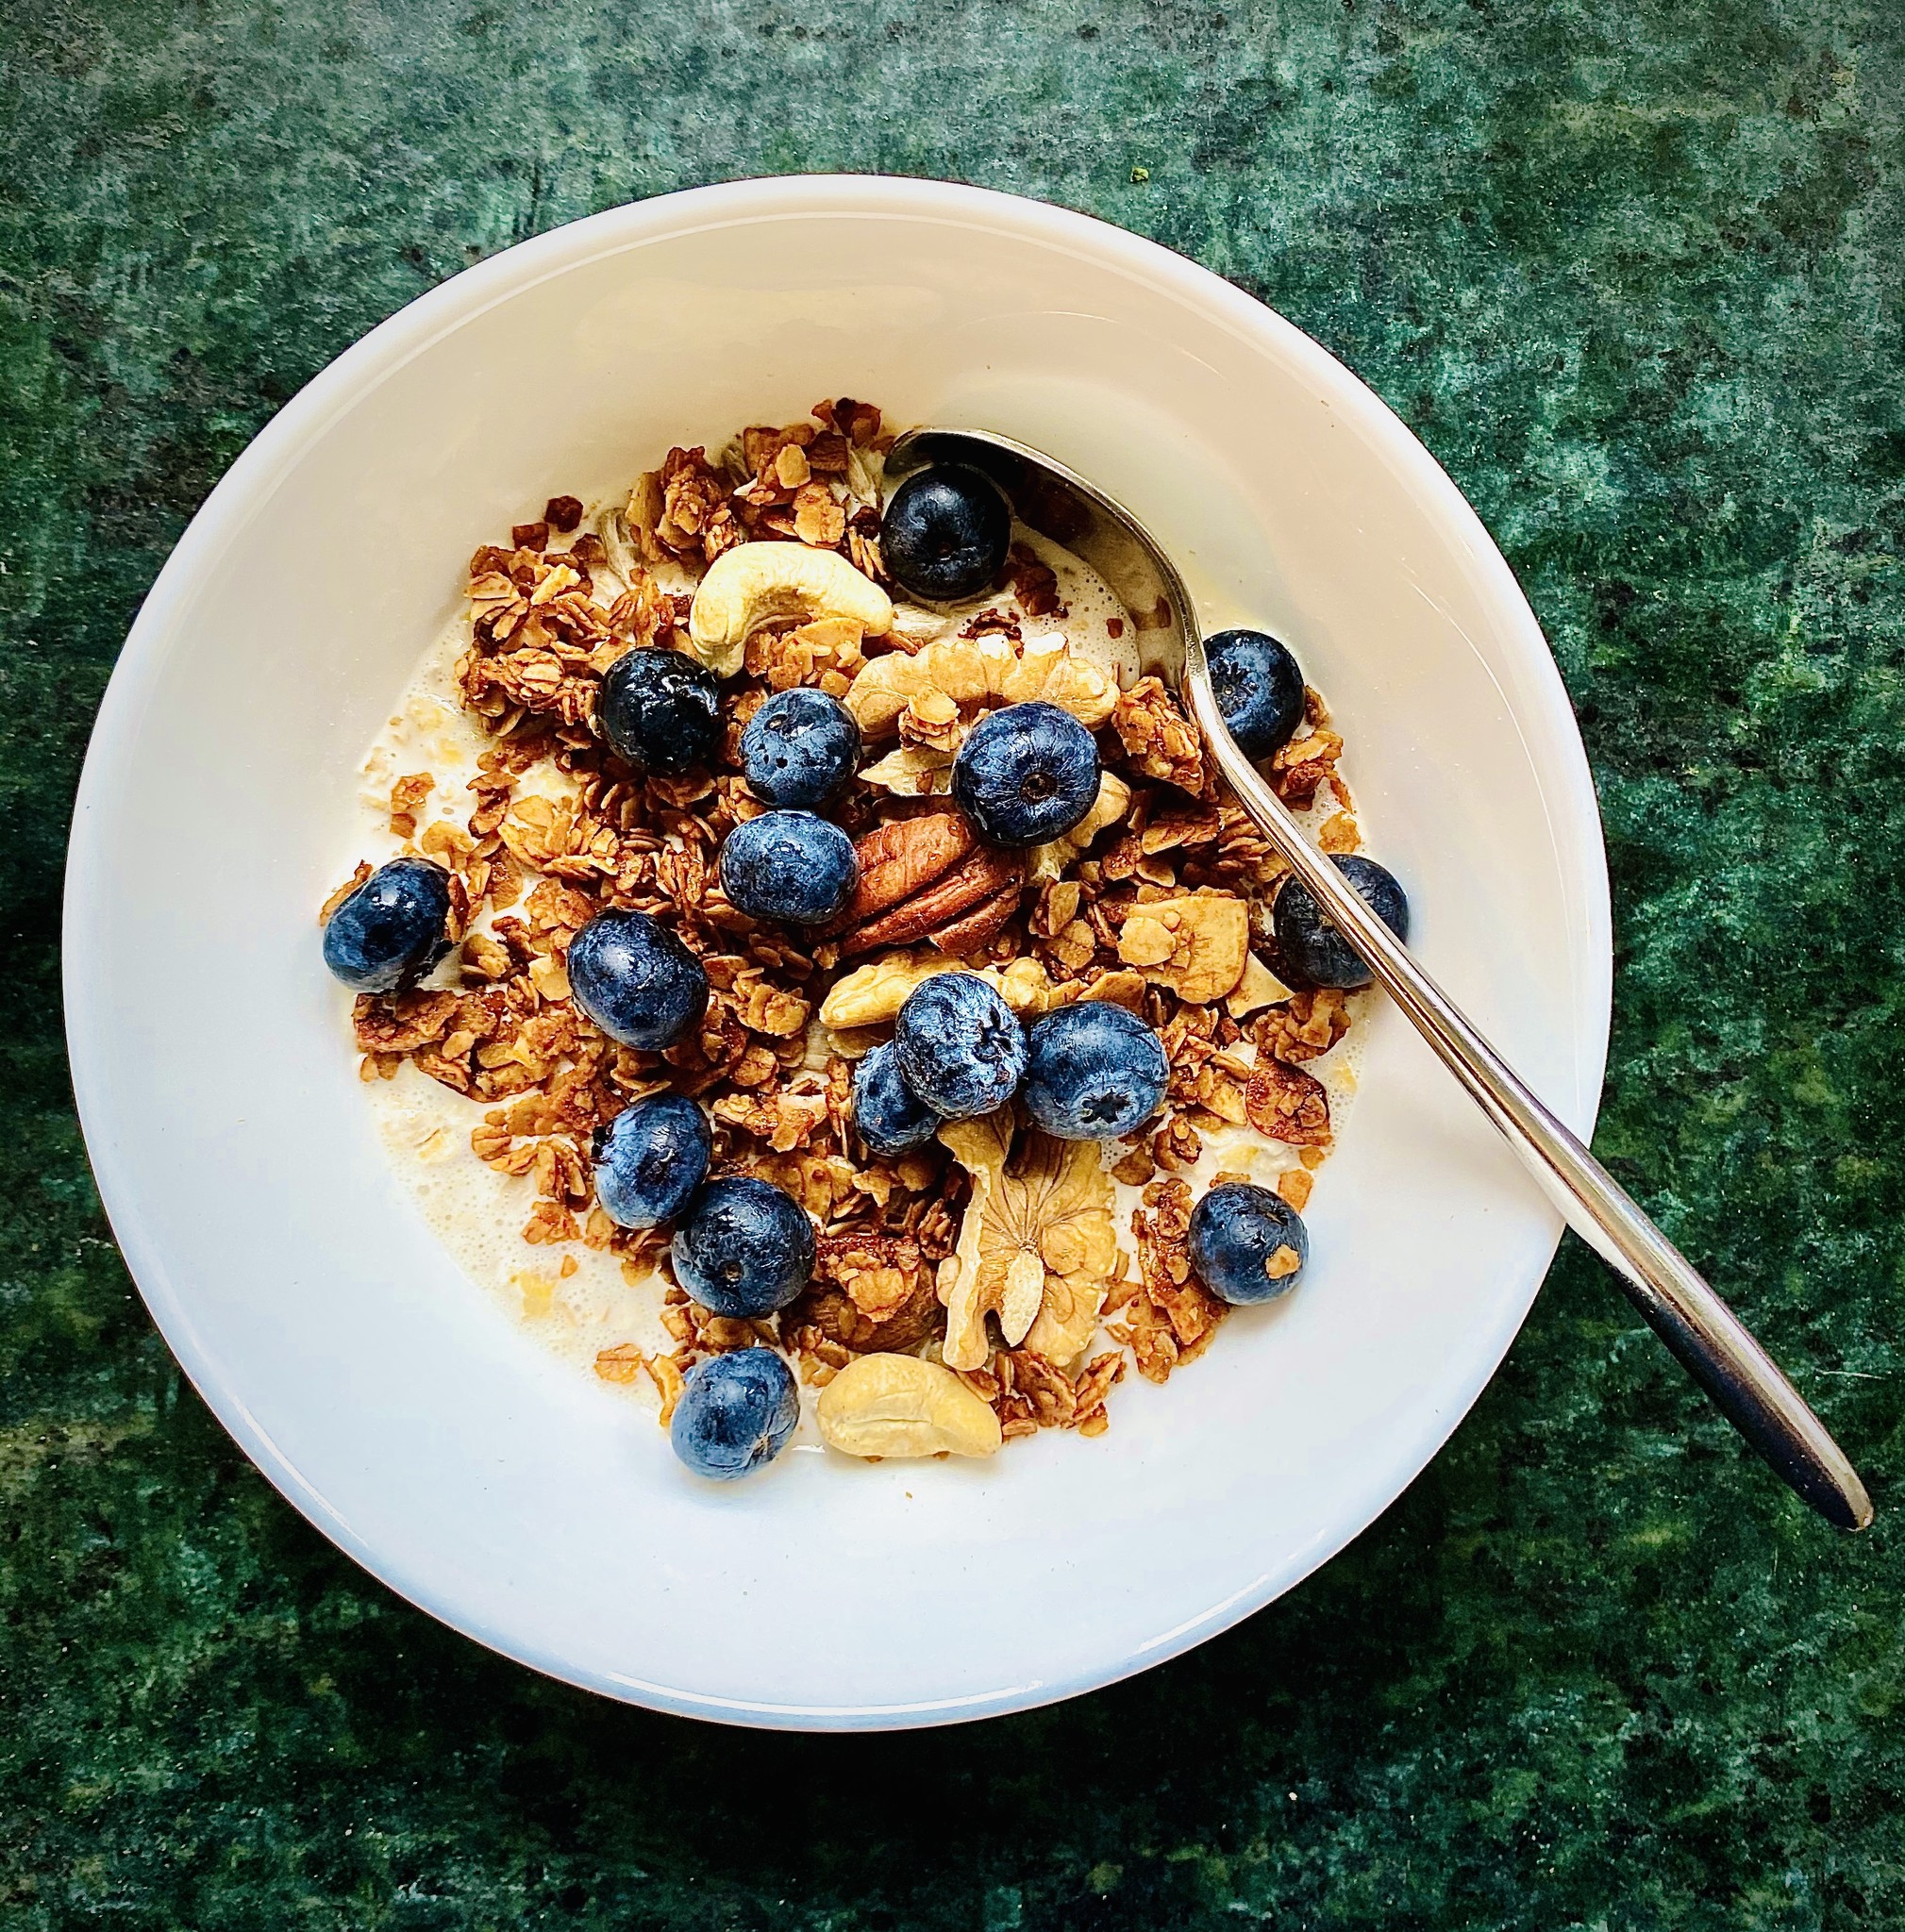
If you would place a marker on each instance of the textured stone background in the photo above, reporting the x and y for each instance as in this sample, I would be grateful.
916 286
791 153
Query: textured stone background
1632 270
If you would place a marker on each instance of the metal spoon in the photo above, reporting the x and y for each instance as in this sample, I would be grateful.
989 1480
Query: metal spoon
1712 1342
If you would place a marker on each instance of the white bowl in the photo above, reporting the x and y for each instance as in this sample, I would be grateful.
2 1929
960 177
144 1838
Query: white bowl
491 1484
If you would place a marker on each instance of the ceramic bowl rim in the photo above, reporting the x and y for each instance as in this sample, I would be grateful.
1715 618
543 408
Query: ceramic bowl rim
1542 712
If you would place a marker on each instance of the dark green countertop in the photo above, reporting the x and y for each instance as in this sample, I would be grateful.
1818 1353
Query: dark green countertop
1633 272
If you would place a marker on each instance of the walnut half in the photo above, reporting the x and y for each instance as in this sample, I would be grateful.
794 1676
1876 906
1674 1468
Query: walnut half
1036 1248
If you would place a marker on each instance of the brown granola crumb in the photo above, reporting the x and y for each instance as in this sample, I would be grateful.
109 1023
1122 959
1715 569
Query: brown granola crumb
1305 1025
1339 832
1175 1146
665 1372
1157 739
1176 1315
407 797
1300 767
817 518
343 892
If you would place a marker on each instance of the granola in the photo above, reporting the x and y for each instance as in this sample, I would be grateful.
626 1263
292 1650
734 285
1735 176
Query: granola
1020 1276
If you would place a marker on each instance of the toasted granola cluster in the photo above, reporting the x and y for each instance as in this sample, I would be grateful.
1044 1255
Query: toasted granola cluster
1158 901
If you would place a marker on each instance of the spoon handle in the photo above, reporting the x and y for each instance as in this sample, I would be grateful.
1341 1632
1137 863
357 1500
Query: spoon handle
1712 1342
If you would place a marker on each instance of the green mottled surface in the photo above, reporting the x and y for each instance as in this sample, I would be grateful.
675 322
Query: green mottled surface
1632 270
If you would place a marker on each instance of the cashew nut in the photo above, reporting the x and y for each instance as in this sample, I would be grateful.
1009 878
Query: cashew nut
902 1405
763 583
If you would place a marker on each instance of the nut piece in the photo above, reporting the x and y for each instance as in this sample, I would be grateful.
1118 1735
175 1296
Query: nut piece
901 1405
979 670
1258 988
872 994
929 878
1113 802
971 931
899 859
754 584
1196 946
911 771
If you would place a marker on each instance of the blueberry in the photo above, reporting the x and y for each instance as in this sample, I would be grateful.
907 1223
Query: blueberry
650 1160
735 1413
1313 947
890 1115
636 980
660 710
393 929
744 1247
799 748
1258 686
1027 774
958 1046
945 533
1093 1072
788 865
1248 1244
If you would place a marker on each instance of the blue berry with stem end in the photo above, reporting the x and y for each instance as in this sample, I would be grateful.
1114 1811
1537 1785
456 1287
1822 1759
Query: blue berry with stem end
1093 1072
734 1414
744 1248
1026 775
959 1046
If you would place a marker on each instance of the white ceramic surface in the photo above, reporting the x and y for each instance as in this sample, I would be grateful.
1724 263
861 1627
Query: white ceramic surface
287 1266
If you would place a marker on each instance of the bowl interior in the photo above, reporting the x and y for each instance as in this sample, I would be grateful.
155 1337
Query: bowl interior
289 1268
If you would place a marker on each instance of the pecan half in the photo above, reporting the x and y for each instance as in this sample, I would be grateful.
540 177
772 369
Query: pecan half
971 931
929 878
898 859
